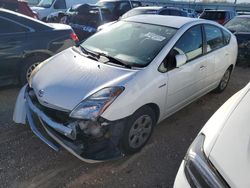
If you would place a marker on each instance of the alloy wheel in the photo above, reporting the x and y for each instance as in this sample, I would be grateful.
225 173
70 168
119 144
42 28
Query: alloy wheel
140 131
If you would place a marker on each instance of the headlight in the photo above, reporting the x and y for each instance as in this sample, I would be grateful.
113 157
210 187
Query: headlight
199 170
96 104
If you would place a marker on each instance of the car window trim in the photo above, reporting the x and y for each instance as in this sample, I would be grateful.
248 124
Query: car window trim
224 45
199 56
224 37
13 21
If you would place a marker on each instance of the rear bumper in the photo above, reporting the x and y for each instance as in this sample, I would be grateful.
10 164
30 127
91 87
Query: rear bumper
55 135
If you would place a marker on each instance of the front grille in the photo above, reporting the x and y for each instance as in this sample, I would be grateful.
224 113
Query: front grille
56 115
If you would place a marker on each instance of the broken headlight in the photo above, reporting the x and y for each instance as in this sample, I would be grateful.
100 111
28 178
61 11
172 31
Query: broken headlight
93 106
199 170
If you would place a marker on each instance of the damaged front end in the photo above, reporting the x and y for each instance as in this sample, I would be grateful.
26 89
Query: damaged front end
91 140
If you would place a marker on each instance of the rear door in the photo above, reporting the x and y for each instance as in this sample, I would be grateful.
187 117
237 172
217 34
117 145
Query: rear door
12 39
217 54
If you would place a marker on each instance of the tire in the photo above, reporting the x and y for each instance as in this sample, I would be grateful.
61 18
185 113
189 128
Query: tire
30 65
138 130
224 81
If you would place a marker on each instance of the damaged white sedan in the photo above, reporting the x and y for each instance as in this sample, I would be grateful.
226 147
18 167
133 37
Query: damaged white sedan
102 99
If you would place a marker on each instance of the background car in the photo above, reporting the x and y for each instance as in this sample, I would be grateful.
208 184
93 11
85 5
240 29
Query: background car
46 7
18 6
118 7
25 42
220 16
86 19
122 81
148 10
219 155
240 26
191 12
155 10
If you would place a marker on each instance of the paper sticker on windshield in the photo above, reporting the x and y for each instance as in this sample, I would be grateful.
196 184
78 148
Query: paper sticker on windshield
154 36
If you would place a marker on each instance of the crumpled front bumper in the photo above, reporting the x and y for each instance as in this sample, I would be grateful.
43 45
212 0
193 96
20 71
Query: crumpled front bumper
55 134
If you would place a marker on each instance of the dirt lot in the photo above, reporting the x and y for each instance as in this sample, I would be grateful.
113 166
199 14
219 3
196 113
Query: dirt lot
27 162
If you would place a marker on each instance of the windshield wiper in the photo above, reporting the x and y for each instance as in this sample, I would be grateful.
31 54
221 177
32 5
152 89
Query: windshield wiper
90 54
114 60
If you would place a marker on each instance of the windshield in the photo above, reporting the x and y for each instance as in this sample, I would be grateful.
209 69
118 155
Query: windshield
134 44
45 3
238 25
134 12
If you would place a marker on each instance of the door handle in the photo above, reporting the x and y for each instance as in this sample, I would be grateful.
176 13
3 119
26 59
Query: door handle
202 67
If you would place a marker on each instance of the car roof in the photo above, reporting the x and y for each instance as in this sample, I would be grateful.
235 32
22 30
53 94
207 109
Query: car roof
170 21
148 8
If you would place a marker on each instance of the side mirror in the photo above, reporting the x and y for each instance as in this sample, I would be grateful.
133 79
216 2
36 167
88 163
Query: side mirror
181 59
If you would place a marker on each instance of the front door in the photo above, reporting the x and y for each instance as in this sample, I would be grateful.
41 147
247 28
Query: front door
186 82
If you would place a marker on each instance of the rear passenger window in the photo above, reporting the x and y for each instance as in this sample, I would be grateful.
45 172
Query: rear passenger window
227 37
60 4
175 13
136 4
7 26
164 12
214 37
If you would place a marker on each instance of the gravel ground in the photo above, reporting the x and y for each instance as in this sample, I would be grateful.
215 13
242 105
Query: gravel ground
27 162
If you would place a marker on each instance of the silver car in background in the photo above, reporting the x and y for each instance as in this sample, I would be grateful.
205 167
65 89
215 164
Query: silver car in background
101 100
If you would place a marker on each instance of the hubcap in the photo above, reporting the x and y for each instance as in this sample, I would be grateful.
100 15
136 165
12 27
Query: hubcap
140 131
30 69
225 80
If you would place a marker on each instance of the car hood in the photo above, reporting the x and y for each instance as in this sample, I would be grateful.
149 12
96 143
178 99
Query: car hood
230 153
67 78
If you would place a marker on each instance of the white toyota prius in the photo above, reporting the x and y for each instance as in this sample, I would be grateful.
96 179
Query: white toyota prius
219 156
102 99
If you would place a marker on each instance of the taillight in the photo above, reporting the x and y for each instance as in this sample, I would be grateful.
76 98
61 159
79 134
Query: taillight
74 37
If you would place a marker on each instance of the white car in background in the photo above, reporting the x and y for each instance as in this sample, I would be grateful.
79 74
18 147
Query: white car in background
46 7
102 99
220 154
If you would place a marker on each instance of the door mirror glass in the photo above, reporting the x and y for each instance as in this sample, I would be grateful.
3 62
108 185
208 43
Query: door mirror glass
181 59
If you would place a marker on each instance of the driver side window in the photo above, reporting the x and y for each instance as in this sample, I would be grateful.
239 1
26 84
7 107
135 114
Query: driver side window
190 45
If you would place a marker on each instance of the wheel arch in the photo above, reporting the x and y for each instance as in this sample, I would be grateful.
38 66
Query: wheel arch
155 109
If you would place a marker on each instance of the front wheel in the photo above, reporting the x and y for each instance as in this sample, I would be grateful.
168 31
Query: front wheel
138 130
224 81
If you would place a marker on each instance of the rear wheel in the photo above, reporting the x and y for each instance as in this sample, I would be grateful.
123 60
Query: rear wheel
138 130
224 81
31 64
